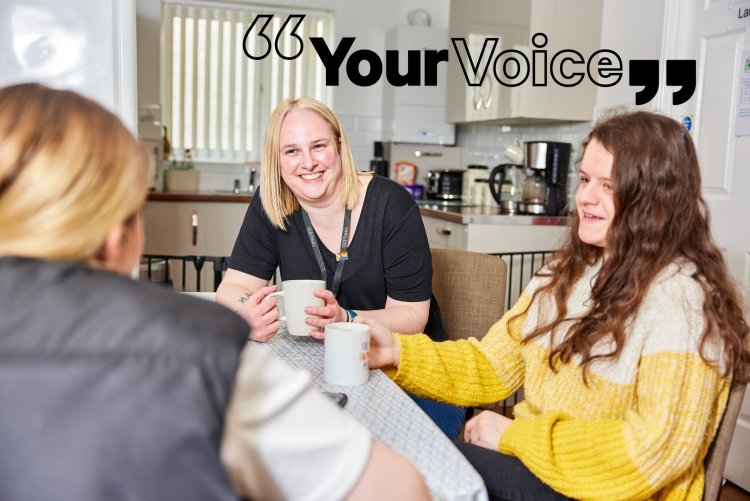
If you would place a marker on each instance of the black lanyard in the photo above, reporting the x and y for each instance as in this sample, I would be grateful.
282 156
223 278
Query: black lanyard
340 257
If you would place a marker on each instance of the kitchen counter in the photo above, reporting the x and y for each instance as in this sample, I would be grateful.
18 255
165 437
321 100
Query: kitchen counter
200 196
485 215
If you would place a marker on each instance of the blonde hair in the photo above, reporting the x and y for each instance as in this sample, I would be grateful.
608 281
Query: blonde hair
278 200
69 172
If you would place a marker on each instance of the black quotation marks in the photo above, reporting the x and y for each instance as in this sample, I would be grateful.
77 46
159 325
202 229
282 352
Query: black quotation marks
266 43
645 72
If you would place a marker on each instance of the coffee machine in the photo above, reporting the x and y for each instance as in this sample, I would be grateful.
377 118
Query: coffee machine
545 189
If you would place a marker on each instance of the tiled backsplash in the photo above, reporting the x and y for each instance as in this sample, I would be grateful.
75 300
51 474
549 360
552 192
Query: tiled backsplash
362 133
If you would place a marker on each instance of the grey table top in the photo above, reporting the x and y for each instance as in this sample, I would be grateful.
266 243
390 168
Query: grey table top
393 417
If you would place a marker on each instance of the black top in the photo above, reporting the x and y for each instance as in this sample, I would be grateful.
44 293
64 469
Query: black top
388 256
111 388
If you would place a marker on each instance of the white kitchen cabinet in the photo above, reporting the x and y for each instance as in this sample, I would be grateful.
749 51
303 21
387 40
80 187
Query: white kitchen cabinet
493 238
416 113
192 228
567 24
446 234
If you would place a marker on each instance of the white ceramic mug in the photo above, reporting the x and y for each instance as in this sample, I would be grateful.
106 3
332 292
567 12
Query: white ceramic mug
347 347
296 295
514 152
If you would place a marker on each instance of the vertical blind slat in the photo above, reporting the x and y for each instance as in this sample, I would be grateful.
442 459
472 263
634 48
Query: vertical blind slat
180 108
194 77
231 94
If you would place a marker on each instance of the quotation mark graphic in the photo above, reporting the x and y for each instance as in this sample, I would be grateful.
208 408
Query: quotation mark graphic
645 72
266 41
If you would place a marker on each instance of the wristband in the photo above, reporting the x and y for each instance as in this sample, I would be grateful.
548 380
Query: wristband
351 314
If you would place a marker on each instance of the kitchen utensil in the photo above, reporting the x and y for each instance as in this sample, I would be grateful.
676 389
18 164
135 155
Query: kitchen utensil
444 184
510 180
480 194
296 296
548 160
514 152
345 357
472 173
534 193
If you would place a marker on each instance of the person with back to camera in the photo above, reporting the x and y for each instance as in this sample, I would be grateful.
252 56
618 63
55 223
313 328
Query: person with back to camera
625 343
316 217
116 389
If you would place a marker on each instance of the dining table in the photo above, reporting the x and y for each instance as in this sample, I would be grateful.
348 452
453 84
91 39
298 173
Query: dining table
392 417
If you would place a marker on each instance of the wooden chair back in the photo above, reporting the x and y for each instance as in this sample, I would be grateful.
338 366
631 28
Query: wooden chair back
716 457
470 290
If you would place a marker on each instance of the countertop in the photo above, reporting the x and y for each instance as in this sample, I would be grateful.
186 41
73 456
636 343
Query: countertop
485 215
200 196
455 214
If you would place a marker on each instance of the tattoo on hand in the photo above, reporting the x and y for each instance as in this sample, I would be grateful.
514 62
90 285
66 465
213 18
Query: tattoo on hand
244 299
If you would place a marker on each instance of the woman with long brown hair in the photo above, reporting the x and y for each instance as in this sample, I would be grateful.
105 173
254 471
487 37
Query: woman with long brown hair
625 344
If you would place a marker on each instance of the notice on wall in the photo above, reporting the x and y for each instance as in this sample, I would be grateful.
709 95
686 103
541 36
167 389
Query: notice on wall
742 127
738 14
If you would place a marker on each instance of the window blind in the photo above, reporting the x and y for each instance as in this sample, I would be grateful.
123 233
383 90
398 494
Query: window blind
215 99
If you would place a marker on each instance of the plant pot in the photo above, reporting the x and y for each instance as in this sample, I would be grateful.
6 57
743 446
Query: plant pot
181 180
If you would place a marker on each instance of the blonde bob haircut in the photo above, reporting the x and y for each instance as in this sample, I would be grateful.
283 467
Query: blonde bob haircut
278 200
69 173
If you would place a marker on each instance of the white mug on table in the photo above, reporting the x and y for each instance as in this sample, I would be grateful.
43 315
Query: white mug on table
296 295
347 347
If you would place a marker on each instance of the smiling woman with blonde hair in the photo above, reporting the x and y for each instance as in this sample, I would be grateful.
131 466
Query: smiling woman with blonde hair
316 217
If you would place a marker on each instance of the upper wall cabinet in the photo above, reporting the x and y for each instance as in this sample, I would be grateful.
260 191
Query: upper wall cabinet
416 113
566 25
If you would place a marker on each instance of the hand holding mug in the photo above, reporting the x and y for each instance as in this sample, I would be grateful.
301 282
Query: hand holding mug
385 350
296 297
262 316
324 315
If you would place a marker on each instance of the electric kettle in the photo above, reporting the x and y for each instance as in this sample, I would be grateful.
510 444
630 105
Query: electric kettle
510 179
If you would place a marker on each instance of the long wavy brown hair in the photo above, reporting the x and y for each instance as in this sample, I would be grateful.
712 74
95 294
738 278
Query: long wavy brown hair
660 217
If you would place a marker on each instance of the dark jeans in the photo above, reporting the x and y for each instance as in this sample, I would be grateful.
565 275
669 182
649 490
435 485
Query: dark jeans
449 418
506 477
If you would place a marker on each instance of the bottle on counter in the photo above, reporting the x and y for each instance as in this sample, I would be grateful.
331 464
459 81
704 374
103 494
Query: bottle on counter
166 146
187 160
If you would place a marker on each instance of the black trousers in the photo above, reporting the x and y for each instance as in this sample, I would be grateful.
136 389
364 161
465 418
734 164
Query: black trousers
506 477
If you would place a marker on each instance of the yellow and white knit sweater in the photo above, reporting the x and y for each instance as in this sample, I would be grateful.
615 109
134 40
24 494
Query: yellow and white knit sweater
639 430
